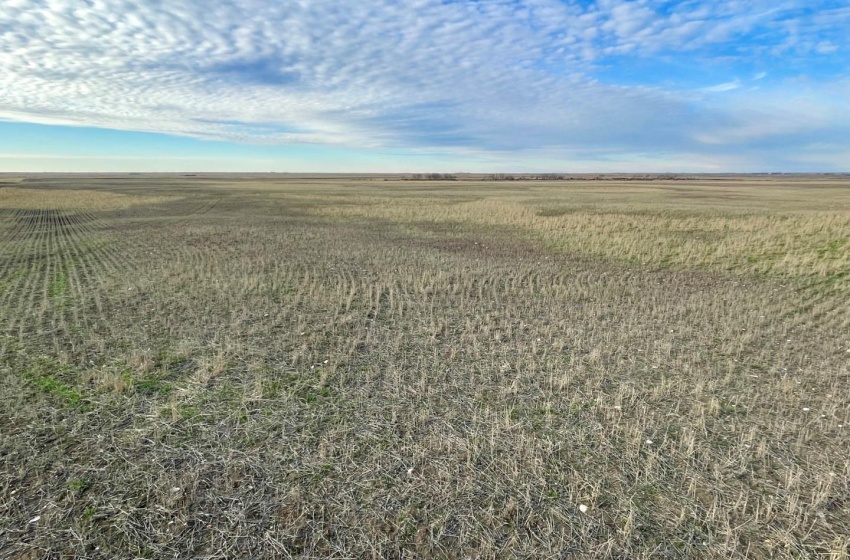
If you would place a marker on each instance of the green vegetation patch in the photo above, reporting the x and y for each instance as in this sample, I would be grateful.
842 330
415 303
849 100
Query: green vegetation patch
59 286
45 375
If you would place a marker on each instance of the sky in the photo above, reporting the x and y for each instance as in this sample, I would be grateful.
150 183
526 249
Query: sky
425 85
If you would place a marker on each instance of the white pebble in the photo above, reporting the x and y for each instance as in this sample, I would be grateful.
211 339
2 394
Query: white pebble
583 508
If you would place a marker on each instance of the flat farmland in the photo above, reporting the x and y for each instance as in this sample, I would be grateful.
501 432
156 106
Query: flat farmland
273 366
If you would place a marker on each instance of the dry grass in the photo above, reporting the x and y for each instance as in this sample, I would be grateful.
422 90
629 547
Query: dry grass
750 227
340 368
14 198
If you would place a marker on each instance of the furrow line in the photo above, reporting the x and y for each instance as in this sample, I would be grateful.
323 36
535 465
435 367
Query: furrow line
19 222
14 245
51 254
110 256
68 304
21 304
85 230
93 270
13 258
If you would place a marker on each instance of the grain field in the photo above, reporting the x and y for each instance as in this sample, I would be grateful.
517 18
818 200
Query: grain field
272 367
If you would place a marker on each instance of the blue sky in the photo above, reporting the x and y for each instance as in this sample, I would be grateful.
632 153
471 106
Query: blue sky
424 85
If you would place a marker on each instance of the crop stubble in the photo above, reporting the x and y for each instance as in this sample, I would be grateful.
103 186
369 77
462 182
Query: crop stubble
221 367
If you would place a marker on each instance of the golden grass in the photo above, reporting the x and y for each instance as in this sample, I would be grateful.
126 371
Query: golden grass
799 230
15 198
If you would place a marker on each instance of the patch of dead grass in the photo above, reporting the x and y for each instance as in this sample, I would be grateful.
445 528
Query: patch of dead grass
16 198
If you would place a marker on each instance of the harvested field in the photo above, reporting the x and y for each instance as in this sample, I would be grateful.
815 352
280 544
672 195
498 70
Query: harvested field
64 200
364 367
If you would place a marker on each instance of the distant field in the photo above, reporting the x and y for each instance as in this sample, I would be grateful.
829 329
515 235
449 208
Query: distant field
365 367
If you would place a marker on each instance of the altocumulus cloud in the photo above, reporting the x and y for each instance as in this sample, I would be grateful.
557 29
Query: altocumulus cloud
654 82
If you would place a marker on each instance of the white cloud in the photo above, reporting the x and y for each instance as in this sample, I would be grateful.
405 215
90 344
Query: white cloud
782 124
494 76
727 86
826 47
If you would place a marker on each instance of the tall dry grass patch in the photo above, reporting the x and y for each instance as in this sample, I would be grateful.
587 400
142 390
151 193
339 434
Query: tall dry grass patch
741 240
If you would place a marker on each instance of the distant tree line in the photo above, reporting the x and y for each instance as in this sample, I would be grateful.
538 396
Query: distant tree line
434 177
561 177
537 177
546 177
